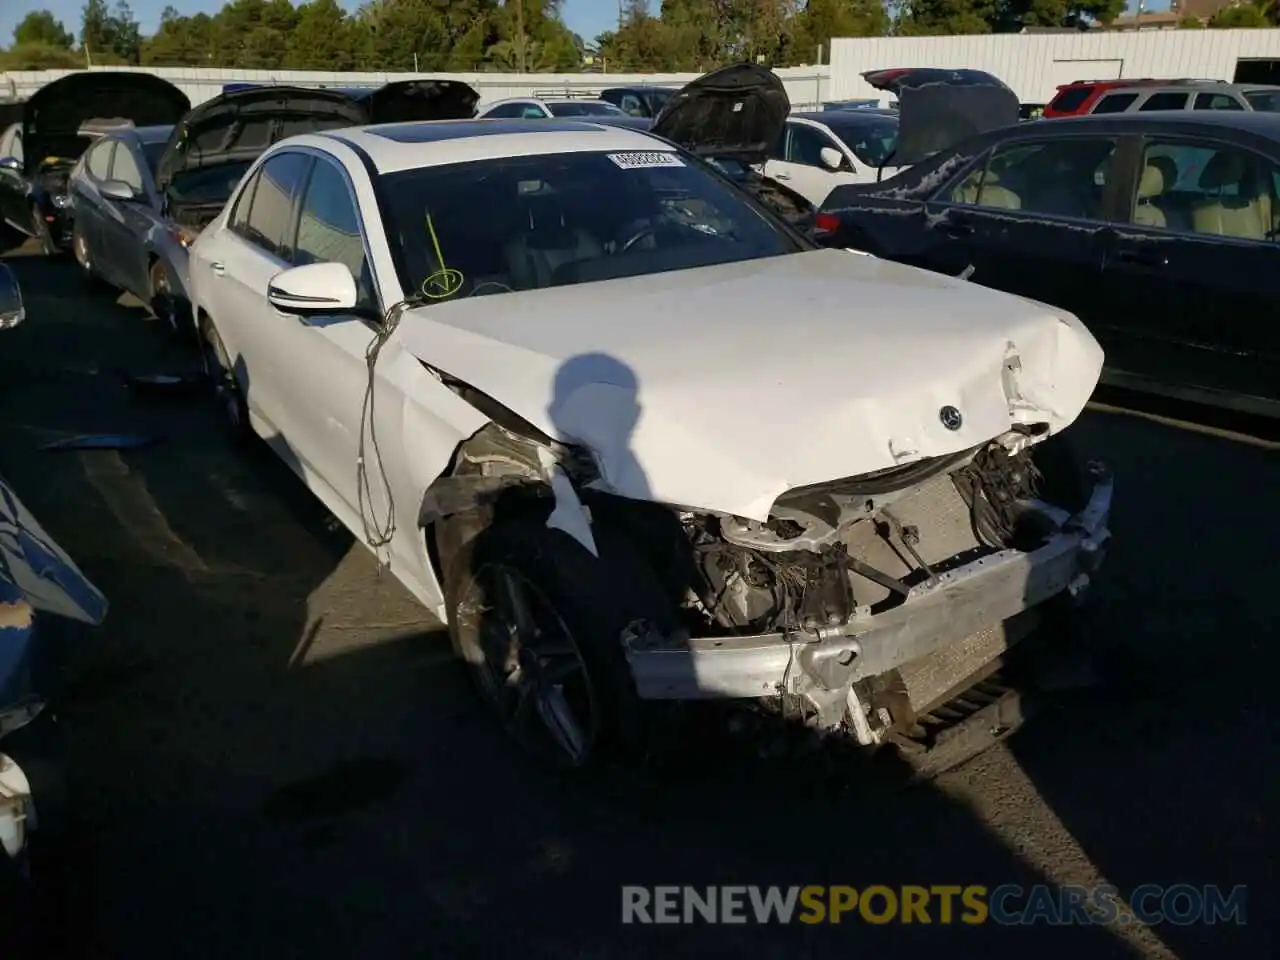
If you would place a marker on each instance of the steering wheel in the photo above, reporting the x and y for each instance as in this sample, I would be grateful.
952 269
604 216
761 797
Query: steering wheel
646 230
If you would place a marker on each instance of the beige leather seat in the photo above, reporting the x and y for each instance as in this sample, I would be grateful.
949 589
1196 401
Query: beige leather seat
546 242
1152 185
987 191
1244 214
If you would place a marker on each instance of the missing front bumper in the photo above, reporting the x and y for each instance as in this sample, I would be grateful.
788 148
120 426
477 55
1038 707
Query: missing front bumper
971 599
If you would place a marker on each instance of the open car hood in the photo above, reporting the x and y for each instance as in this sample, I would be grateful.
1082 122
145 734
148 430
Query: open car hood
407 100
53 115
735 113
239 126
938 108
688 392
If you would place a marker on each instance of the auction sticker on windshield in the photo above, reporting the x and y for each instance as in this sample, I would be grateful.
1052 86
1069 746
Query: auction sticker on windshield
638 160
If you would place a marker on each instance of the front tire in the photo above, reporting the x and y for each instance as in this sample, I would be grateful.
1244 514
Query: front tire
230 398
539 621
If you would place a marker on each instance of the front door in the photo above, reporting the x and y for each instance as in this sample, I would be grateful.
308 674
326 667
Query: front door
1033 220
797 162
124 224
1189 291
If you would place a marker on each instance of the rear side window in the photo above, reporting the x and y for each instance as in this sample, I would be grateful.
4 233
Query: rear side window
1217 101
1115 103
270 224
1165 101
98 163
507 111
1064 177
1071 99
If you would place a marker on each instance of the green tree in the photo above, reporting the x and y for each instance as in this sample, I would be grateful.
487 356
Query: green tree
1190 23
41 27
1240 16
110 35
323 39
179 41
39 56
820 20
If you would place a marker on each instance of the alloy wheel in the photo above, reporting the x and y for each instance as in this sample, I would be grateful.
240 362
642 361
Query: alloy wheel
531 670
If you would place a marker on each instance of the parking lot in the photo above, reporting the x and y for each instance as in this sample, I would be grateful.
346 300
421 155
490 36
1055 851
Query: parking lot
270 751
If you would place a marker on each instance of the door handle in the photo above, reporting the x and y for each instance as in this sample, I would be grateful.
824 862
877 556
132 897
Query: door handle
957 229
1143 258
218 269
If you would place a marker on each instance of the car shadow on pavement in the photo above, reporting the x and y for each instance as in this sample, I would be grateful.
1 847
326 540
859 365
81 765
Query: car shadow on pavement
233 796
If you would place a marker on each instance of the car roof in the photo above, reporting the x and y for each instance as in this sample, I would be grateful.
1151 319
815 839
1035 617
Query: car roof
1254 121
399 146
1206 86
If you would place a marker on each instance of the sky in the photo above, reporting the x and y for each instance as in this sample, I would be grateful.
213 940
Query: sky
588 18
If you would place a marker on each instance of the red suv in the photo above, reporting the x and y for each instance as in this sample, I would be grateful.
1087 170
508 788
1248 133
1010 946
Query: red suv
1077 99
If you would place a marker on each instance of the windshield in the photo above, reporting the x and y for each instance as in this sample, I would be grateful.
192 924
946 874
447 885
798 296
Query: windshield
872 140
1267 101
585 108
526 223
209 184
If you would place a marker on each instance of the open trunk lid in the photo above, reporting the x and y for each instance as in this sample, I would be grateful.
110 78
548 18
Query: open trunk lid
938 108
53 115
734 113
408 100
238 127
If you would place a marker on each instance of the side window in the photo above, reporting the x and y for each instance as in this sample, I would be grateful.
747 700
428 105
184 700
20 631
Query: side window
531 112
98 162
329 228
805 146
632 105
1115 103
1199 187
1217 101
15 148
1165 101
238 222
507 111
1063 177
125 168
779 149
270 224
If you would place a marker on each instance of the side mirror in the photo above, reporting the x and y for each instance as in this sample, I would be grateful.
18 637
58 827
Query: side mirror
118 190
831 158
12 311
11 163
314 288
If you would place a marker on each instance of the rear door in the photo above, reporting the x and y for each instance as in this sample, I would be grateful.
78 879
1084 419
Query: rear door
1189 301
1031 217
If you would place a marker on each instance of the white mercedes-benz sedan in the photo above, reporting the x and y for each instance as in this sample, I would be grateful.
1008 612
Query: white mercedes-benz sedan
638 441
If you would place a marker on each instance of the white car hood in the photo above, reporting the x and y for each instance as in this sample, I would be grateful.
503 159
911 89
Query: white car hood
719 388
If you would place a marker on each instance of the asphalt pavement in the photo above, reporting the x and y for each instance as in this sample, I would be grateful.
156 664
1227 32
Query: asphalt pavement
270 752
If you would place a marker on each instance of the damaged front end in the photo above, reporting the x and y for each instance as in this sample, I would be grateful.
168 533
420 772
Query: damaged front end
881 607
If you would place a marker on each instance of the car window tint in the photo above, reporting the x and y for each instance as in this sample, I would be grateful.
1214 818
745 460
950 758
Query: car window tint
1165 101
1062 177
1217 101
507 111
98 163
15 148
329 228
1204 188
632 105
1071 99
1115 103
805 145
779 149
125 168
530 112
270 216
1268 101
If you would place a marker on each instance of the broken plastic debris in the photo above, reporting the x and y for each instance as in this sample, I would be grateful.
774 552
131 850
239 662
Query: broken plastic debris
100 441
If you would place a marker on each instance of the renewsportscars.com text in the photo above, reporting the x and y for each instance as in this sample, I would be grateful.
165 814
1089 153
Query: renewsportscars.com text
1008 904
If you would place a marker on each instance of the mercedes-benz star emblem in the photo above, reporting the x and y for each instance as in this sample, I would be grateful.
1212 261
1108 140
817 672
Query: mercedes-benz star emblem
950 418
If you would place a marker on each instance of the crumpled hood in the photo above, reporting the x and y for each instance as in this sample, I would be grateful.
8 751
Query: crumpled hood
721 387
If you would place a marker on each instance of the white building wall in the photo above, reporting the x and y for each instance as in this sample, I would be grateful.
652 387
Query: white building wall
806 86
1034 65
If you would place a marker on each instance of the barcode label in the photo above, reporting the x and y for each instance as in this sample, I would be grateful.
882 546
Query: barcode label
638 160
